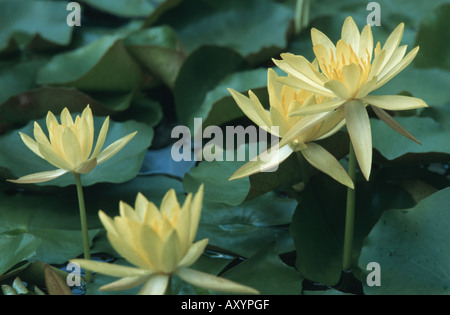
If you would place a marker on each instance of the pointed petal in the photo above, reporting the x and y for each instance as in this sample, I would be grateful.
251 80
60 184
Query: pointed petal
72 148
39 177
394 102
107 222
109 269
155 285
319 38
66 118
171 253
393 42
196 209
101 138
50 156
339 89
391 122
327 163
125 283
318 108
303 126
86 166
351 74
195 251
302 65
31 144
253 110
366 44
350 34
399 67
358 125
207 281
264 162
112 149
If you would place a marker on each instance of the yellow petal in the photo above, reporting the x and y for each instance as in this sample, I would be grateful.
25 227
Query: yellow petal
319 108
395 102
303 126
51 121
127 211
358 125
396 58
351 74
86 166
107 222
302 65
319 38
253 110
31 144
391 122
265 162
366 44
39 177
171 254
170 203
101 138
114 148
196 209
66 118
50 156
326 163
210 282
72 148
39 135
350 34
398 68
125 283
109 269
339 89
393 42
155 285
195 251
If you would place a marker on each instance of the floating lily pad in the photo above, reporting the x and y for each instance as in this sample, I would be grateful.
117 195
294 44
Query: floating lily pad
409 246
16 248
103 65
222 23
48 23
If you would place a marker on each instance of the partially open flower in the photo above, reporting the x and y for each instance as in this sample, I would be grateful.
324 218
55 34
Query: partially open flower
70 145
346 74
297 133
160 243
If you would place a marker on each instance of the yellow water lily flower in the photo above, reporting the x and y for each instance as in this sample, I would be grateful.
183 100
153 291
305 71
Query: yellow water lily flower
347 73
70 145
297 133
160 243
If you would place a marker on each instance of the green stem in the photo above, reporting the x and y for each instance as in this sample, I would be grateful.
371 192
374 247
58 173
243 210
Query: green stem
84 225
350 214
303 164
169 287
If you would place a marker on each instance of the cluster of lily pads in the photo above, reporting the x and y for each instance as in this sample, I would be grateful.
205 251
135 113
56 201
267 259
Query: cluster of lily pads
355 192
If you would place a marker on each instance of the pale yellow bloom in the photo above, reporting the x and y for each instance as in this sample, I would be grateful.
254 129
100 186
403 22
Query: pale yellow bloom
297 133
160 243
69 146
347 73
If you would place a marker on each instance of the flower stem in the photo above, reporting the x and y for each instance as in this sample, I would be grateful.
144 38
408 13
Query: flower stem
350 214
303 167
84 225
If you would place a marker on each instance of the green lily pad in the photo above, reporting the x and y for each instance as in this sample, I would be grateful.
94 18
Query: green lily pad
16 248
133 8
215 176
19 161
317 226
221 23
103 65
159 50
243 229
265 272
196 79
409 246
48 23
433 136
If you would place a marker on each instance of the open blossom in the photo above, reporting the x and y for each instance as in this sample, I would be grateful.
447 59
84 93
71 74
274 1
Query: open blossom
69 146
160 243
347 73
297 133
